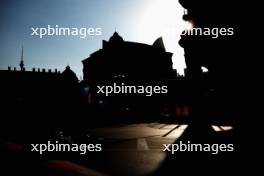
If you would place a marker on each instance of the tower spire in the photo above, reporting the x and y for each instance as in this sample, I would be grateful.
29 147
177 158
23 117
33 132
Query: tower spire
22 65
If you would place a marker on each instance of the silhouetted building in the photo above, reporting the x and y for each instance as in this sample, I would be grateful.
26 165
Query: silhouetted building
37 101
131 63
128 60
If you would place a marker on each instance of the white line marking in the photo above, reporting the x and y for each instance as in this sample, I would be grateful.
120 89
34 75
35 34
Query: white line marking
142 144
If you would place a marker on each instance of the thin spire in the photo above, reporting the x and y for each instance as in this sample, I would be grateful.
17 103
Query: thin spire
22 65
22 54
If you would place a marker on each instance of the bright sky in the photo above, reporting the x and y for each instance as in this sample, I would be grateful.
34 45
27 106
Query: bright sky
135 20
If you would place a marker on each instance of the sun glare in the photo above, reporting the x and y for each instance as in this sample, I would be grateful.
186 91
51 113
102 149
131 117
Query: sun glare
164 18
187 25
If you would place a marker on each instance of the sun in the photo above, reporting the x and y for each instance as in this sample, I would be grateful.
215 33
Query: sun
164 18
